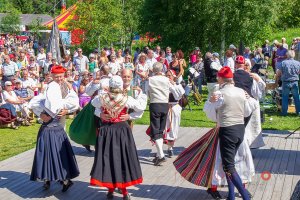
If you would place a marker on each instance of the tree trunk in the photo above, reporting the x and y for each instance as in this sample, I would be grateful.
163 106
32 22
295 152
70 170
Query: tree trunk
223 26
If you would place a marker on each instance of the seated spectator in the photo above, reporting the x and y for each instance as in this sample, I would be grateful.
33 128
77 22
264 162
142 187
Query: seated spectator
10 96
28 82
22 93
33 67
7 112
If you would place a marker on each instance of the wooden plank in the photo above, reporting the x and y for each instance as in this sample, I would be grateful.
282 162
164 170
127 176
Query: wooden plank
290 170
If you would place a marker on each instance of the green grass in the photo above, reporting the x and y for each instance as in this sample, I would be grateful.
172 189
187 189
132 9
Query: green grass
289 34
14 142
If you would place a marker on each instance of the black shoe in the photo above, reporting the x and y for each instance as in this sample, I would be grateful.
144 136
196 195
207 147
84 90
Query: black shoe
46 185
87 147
127 197
67 186
170 153
159 161
110 195
214 194
154 159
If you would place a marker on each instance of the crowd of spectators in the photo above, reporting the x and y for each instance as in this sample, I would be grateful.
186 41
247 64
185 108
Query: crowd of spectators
25 67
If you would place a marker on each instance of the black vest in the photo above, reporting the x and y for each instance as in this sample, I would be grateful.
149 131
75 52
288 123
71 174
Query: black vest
243 80
210 74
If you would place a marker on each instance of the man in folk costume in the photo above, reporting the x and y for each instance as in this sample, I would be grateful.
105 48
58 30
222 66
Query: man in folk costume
116 163
201 163
174 115
159 90
254 86
54 158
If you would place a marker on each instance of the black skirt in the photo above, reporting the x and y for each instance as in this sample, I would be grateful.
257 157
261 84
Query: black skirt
116 163
54 158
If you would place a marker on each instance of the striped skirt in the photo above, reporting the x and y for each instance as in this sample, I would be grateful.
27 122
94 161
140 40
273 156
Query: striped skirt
196 163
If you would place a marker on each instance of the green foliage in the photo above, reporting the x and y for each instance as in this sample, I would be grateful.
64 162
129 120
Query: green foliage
10 23
35 27
189 23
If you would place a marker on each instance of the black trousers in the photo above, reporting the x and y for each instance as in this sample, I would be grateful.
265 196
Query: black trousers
158 119
230 139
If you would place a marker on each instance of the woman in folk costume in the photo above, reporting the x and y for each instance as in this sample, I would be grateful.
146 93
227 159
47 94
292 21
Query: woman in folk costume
174 115
253 131
116 163
202 162
54 159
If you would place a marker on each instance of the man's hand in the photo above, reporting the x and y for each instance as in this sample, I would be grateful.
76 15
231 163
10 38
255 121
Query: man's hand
125 117
45 118
63 112
105 117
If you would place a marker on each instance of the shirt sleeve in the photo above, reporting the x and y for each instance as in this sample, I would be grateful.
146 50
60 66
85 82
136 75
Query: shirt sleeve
136 115
250 106
91 88
137 104
258 87
211 108
177 91
71 102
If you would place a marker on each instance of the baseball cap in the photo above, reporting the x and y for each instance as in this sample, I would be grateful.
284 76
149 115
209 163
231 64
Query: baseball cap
240 60
215 54
8 83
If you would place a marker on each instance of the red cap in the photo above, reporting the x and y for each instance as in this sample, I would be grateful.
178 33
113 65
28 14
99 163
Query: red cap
57 69
240 60
225 72
11 56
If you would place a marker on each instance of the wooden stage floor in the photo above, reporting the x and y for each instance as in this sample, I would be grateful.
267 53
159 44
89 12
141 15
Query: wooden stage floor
280 157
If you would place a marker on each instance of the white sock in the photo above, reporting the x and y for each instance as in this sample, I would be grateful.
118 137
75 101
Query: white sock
170 147
159 148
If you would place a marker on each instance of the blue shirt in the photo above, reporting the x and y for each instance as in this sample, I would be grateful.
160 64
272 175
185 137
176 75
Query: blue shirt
290 70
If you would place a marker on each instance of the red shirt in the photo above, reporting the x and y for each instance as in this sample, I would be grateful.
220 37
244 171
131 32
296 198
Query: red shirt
165 62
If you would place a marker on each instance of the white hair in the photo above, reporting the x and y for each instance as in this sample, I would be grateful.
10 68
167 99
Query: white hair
157 67
290 54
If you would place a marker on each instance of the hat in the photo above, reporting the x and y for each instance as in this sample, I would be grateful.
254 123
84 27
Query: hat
11 56
8 83
266 41
240 60
116 82
232 46
57 69
275 42
197 48
173 72
225 72
92 55
215 54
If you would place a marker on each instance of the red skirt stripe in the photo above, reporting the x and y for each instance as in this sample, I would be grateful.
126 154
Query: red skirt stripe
95 182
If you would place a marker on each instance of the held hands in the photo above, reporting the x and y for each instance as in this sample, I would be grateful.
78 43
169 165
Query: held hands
63 112
214 98
106 117
45 118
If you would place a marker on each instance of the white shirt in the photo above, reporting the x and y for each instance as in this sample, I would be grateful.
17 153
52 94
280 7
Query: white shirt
81 63
9 69
230 63
28 83
114 67
11 97
150 62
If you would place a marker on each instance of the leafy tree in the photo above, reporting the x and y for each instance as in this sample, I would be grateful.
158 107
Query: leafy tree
35 27
10 23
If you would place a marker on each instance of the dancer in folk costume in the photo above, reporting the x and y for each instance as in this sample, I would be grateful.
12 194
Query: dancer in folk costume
54 159
116 163
254 86
200 163
174 115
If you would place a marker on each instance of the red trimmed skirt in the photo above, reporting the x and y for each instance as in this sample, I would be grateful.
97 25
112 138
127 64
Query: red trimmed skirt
196 163
116 162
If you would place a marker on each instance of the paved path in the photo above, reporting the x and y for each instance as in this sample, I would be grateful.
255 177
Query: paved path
280 157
